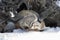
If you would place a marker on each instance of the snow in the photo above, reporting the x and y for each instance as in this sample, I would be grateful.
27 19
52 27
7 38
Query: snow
47 29
58 3
12 14
32 36
18 34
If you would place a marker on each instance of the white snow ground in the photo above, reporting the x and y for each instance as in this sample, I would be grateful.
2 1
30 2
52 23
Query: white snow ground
48 34
58 3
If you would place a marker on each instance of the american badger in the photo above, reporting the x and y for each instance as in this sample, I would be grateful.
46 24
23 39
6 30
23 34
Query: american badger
30 20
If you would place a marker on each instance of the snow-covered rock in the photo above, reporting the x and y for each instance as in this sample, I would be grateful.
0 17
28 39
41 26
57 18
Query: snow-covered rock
58 3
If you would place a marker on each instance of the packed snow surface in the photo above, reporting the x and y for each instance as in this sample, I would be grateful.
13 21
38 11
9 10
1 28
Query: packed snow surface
18 34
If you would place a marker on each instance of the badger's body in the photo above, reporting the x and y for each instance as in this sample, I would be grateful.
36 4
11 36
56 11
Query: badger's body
30 20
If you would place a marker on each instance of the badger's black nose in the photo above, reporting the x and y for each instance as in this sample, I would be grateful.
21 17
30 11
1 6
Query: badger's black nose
26 27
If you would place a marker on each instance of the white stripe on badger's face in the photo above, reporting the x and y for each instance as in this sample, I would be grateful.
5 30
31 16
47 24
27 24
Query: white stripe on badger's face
36 25
12 14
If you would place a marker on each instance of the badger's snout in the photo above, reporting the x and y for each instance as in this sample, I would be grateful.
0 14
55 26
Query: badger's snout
38 26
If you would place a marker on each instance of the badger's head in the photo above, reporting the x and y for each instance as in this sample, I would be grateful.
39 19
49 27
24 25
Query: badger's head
37 26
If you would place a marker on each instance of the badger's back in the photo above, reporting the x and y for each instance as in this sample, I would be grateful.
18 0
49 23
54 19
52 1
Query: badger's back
28 17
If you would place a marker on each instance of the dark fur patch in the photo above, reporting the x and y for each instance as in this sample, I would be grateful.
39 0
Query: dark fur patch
50 22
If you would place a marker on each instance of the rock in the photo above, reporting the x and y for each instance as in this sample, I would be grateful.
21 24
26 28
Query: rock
9 27
50 22
1 29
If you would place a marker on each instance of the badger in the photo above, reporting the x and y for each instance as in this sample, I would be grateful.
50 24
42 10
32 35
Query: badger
38 26
30 21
